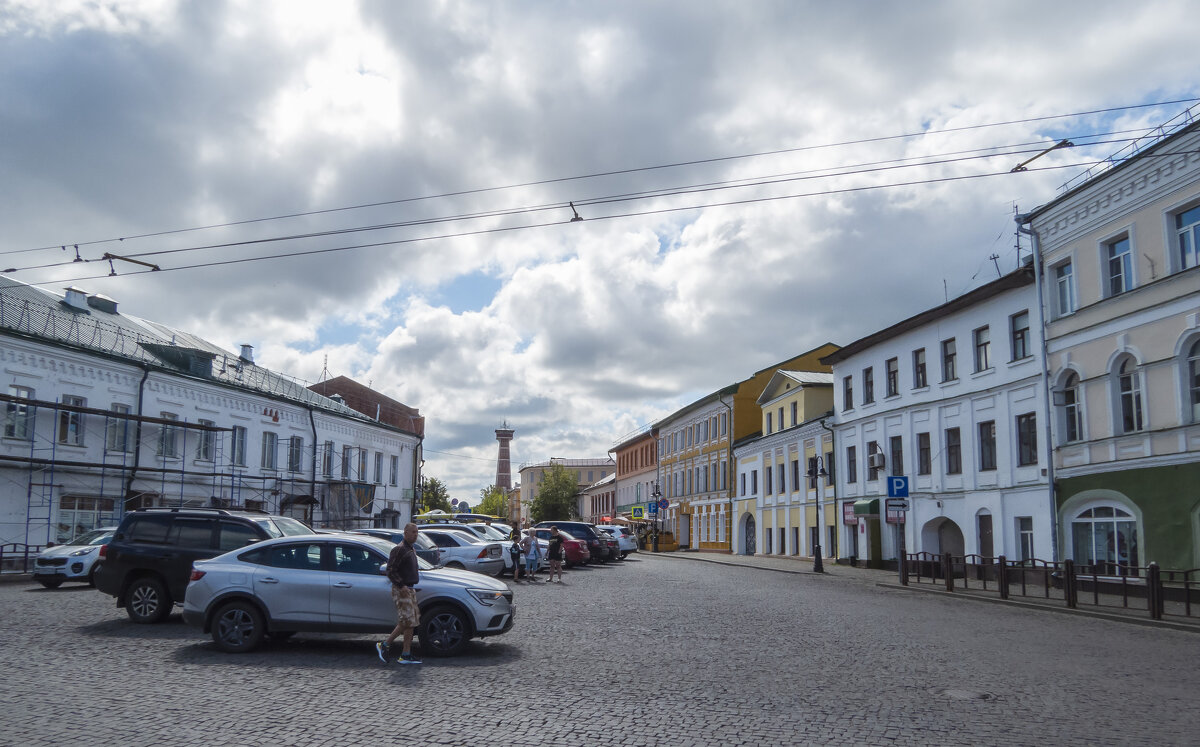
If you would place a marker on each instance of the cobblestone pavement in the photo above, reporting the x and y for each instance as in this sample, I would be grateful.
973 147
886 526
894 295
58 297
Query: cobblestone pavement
651 651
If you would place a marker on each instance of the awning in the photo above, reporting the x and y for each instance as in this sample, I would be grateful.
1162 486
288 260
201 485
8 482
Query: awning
866 507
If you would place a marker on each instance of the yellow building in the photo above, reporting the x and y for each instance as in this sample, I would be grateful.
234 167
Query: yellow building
696 454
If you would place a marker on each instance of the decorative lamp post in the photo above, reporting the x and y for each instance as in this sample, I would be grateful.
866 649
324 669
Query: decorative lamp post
657 518
815 471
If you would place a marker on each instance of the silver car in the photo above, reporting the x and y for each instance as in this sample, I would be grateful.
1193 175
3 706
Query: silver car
72 561
462 548
333 583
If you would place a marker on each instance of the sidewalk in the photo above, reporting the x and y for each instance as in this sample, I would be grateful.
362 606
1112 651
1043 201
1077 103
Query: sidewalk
890 580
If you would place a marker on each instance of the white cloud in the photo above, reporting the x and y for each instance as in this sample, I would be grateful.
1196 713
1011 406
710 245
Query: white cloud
125 118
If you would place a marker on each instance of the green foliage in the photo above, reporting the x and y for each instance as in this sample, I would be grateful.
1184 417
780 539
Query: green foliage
555 499
434 496
492 501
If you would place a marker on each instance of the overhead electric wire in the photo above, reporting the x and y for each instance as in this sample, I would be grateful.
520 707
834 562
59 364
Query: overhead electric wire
617 172
741 183
656 211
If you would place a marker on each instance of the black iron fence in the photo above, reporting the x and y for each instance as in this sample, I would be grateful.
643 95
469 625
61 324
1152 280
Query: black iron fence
1161 593
18 558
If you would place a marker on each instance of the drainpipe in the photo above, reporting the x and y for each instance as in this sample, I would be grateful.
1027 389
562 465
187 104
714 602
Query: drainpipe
837 509
1046 395
728 469
137 438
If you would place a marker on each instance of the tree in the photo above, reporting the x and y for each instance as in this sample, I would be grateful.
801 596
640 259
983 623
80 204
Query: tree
493 501
434 495
555 500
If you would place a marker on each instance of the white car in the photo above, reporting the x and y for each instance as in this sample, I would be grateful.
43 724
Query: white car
331 583
463 549
486 531
74 561
625 538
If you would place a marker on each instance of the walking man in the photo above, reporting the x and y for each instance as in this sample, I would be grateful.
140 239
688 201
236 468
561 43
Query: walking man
402 572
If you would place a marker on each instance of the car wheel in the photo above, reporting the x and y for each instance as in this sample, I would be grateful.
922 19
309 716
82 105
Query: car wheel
238 627
50 583
624 555
147 601
92 575
444 631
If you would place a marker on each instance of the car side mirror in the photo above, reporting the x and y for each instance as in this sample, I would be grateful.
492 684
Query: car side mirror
383 569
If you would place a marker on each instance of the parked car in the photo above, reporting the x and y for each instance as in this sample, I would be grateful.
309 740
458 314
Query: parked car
625 538
72 561
425 547
465 550
336 584
575 551
614 546
586 532
147 563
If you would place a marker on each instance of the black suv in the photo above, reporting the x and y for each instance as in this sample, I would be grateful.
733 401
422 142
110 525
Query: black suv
147 564
597 544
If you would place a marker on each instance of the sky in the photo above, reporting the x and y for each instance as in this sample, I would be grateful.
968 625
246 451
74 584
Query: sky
382 190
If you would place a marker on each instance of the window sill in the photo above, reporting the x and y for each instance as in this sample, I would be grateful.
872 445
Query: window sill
920 389
891 397
1020 361
984 372
950 382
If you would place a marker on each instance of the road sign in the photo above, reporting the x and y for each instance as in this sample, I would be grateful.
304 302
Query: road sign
897 487
896 504
653 508
638 513
663 504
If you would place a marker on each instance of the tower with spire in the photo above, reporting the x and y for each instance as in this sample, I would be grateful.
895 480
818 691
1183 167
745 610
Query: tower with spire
504 434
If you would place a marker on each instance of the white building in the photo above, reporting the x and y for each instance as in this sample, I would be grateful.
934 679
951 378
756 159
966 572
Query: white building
1121 276
953 399
106 412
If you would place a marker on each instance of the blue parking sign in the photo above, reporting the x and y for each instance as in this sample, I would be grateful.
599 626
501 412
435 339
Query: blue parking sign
653 507
897 486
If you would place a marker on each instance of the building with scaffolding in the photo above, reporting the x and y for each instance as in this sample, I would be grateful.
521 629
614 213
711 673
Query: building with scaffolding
106 412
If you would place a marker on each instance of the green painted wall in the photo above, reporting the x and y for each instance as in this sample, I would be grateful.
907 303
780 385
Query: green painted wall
1167 497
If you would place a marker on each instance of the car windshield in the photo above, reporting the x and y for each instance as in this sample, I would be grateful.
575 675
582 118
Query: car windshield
282 526
94 537
491 532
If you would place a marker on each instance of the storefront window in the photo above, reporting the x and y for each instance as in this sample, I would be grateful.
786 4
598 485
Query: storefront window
1104 538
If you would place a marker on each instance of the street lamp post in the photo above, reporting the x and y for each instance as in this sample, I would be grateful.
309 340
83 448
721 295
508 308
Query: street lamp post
654 496
817 470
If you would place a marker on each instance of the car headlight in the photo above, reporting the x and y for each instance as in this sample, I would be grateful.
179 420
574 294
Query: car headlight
83 551
486 596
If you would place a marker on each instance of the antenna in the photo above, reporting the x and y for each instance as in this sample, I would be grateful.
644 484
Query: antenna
994 257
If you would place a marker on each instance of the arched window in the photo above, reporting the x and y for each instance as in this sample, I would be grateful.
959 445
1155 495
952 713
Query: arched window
1193 381
1070 413
1104 541
1128 381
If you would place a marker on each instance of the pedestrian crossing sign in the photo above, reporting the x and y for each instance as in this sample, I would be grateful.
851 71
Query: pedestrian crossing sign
638 513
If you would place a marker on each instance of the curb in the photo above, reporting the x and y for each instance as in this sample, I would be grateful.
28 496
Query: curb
1096 614
16 578
697 556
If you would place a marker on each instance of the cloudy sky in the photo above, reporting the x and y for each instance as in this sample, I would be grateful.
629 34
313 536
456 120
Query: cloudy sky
755 179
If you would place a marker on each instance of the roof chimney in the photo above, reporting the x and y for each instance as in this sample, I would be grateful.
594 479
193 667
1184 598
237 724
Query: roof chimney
76 298
247 353
102 302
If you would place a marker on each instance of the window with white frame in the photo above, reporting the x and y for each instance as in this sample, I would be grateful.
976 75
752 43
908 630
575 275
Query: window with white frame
1064 289
1025 537
379 468
949 360
270 444
347 460
920 379
983 349
892 370
238 446
394 473
1071 416
1187 233
1193 381
206 442
1118 270
769 423
116 429
848 393
953 451
168 437
1019 329
1128 389
18 422
295 454
868 376
70 422
987 446
851 464
327 459
1104 539
1027 439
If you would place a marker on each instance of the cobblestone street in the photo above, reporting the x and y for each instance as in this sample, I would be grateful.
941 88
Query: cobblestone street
652 651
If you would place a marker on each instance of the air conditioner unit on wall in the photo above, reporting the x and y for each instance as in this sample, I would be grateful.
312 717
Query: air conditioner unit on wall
875 461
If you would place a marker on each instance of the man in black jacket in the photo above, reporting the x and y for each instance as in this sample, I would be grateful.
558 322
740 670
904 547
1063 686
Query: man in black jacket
402 572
